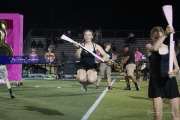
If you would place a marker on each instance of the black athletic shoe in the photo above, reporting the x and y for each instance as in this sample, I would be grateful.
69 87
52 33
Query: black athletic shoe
137 87
21 84
84 88
109 87
97 87
11 94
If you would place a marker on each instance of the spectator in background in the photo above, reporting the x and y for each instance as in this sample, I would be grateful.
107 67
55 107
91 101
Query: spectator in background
52 46
49 56
40 44
35 58
33 55
131 39
33 44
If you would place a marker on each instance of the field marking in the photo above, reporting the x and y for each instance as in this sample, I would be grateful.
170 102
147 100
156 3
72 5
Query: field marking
96 103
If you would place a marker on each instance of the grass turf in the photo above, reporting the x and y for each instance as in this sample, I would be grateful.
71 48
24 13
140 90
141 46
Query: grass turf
127 105
42 100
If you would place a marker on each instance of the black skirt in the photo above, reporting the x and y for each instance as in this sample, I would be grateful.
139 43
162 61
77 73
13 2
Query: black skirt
85 66
163 87
160 85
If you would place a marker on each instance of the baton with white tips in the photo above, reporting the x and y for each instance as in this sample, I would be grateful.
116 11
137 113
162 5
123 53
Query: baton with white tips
64 37
168 12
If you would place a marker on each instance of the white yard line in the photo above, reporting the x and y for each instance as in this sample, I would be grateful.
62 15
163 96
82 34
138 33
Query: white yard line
96 103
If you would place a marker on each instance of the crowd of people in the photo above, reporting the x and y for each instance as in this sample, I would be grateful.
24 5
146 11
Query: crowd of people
162 83
90 70
134 63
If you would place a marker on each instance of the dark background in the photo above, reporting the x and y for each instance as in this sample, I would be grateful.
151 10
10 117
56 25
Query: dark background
105 14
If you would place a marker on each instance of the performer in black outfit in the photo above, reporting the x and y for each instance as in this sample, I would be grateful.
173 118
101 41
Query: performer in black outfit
5 51
104 68
87 73
162 83
130 66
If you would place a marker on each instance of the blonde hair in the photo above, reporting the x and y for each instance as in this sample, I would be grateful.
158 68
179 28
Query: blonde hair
156 29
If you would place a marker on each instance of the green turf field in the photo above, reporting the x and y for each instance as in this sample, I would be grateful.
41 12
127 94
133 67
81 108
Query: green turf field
127 105
47 102
42 100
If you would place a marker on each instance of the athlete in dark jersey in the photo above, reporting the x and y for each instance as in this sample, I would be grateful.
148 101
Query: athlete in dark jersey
87 73
162 84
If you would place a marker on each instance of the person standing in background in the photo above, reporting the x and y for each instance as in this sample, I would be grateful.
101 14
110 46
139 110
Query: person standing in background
49 56
50 59
130 66
104 68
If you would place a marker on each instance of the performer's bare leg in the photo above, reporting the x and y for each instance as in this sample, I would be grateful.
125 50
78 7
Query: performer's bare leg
175 103
85 78
7 81
128 87
91 76
130 71
158 108
104 70
9 88
98 81
138 75
108 73
82 78
101 74
133 78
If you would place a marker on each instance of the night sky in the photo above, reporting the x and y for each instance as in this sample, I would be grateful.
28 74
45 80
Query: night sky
105 14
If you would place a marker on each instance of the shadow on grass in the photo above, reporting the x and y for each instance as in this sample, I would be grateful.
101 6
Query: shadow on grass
61 94
44 110
66 94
